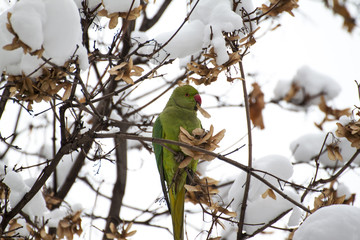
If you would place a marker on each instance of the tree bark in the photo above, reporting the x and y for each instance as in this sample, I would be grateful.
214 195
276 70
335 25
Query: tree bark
120 184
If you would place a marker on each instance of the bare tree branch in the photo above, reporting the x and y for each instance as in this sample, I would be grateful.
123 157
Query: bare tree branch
120 184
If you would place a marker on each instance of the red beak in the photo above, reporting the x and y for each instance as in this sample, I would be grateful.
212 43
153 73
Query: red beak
197 99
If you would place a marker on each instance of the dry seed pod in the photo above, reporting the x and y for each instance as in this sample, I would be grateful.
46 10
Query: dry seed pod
203 112
200 138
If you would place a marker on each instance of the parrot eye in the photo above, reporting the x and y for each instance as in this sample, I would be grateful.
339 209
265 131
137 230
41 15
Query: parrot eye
186 94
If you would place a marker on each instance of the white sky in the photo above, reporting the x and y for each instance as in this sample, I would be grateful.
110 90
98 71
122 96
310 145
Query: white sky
314 37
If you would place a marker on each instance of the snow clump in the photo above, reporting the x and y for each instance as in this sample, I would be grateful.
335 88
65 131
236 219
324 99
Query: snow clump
48 24
205 28
331 223
112 6
307 147
306 88
261 210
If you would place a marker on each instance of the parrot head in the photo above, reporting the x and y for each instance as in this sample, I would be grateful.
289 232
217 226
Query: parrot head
186 97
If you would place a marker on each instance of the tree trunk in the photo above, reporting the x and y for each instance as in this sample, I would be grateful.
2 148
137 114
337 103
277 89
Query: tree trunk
119 186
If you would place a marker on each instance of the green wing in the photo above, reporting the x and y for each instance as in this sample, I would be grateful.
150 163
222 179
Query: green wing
158 150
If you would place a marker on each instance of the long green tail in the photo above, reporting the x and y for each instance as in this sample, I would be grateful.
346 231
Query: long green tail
177 213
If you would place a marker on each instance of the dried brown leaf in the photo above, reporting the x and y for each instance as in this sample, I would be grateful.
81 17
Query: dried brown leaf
67 92
211 146
349 21
125 70
14 225
128 80
340 200
269 193
335 114
257 104
64 223
185 139
276 7
113 70
351 132
220 223
187 151
129 234
334 152
191 188
132 15
186 133
223 210
356 143
203 111
331 155
11 46
219 136
200 138
207 157
341 130
128 226
110 235
198 132
102 13
114 20
185 162
294 89
76 216
137 71
318 203
210 133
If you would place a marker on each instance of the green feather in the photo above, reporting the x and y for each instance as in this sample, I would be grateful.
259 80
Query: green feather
179 111
158 150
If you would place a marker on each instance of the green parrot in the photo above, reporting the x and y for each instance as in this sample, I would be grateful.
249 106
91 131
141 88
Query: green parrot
180 110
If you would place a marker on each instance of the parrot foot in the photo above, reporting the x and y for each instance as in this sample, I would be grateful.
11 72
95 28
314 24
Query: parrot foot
179 157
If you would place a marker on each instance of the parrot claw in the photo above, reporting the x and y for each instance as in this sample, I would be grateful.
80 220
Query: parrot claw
179 157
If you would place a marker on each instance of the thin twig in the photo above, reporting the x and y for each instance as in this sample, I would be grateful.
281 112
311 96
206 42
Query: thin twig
312 183
176 32
270 223
248 177
4 97
219 156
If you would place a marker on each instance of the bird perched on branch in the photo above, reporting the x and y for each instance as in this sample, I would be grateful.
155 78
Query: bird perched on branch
180 111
